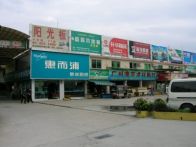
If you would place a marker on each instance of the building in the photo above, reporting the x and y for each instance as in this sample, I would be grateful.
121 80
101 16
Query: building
58 63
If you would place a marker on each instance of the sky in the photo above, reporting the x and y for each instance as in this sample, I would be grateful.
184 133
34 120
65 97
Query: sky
168 23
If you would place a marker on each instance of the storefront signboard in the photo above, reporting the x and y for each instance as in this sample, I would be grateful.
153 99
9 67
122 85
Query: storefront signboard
187 57
193 58
49 38
12 44
98 74
114 47
50 65
175 56
139 50
159 53
191 69
132 75
85 42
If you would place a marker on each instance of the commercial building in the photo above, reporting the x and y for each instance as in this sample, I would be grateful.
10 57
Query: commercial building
58 63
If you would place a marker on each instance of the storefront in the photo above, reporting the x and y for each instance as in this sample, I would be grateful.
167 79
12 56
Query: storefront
57 75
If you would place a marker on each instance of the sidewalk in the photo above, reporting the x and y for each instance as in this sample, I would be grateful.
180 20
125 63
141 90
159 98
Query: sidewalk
100 105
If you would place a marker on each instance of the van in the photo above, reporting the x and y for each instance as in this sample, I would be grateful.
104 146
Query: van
182 93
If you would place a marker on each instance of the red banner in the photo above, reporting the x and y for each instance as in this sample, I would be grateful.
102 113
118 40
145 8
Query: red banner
139 50
115 47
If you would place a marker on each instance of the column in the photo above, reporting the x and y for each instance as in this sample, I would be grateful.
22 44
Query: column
61 89
33 90
140 83
85 89
107 89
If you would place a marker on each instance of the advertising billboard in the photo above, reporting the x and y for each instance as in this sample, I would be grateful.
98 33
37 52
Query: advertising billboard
159 53
175 56
139 50
49 38
50 65
186 57
85 42
114 47
193 58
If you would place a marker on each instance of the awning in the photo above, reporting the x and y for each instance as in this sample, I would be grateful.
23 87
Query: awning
105 83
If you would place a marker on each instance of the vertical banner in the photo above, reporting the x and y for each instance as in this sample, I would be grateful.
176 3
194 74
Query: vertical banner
187 57
49 38
85 42
139 50
114 47
175 56
159 53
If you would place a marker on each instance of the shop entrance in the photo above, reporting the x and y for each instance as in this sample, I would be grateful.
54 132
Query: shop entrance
48 89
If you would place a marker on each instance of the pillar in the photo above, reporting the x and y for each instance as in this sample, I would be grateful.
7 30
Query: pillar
107 89
33 90
61 89
85 89
140 83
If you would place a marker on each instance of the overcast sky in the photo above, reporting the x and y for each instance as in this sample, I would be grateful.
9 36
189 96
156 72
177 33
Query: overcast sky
169 23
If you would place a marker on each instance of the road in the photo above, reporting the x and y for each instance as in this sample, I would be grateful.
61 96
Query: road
85 125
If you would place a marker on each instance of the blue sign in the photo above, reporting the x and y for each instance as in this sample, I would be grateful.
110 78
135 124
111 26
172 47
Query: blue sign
50 65
159 53
132 75
193 58
187 57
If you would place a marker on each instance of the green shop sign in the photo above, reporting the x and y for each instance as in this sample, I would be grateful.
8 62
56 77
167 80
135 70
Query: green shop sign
191 69
132 75
99 74
85 42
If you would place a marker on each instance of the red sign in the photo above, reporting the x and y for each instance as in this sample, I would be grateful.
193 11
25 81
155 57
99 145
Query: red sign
139 50
115 47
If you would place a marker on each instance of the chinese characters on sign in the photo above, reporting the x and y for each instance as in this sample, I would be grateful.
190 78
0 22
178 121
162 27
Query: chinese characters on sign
132 75
50 38
85 42
114 47
12 44
59 66
139 50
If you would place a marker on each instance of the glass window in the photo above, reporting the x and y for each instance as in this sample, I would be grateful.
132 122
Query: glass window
74 88
147 66
115 64
187 86
96 63
46 89
133 65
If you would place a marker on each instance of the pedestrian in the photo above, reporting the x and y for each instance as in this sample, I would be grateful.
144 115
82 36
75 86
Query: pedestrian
152 91
28 95
23 96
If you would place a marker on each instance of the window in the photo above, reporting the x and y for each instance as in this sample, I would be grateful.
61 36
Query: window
133 65
96 63
147 66
187 86
115 64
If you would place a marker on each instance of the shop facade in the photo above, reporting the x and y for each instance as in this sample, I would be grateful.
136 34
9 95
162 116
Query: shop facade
57 75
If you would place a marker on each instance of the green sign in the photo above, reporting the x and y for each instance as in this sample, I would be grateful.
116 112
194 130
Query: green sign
191 69
85 42
99 74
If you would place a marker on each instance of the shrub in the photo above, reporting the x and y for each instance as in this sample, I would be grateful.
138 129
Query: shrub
141 105
160 105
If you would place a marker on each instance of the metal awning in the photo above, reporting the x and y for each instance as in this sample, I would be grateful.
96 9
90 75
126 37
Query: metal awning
104 83
12 43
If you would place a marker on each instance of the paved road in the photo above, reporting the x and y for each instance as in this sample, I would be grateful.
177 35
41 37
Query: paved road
40 125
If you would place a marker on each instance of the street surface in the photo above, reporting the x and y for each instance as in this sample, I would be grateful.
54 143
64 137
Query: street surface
87 123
